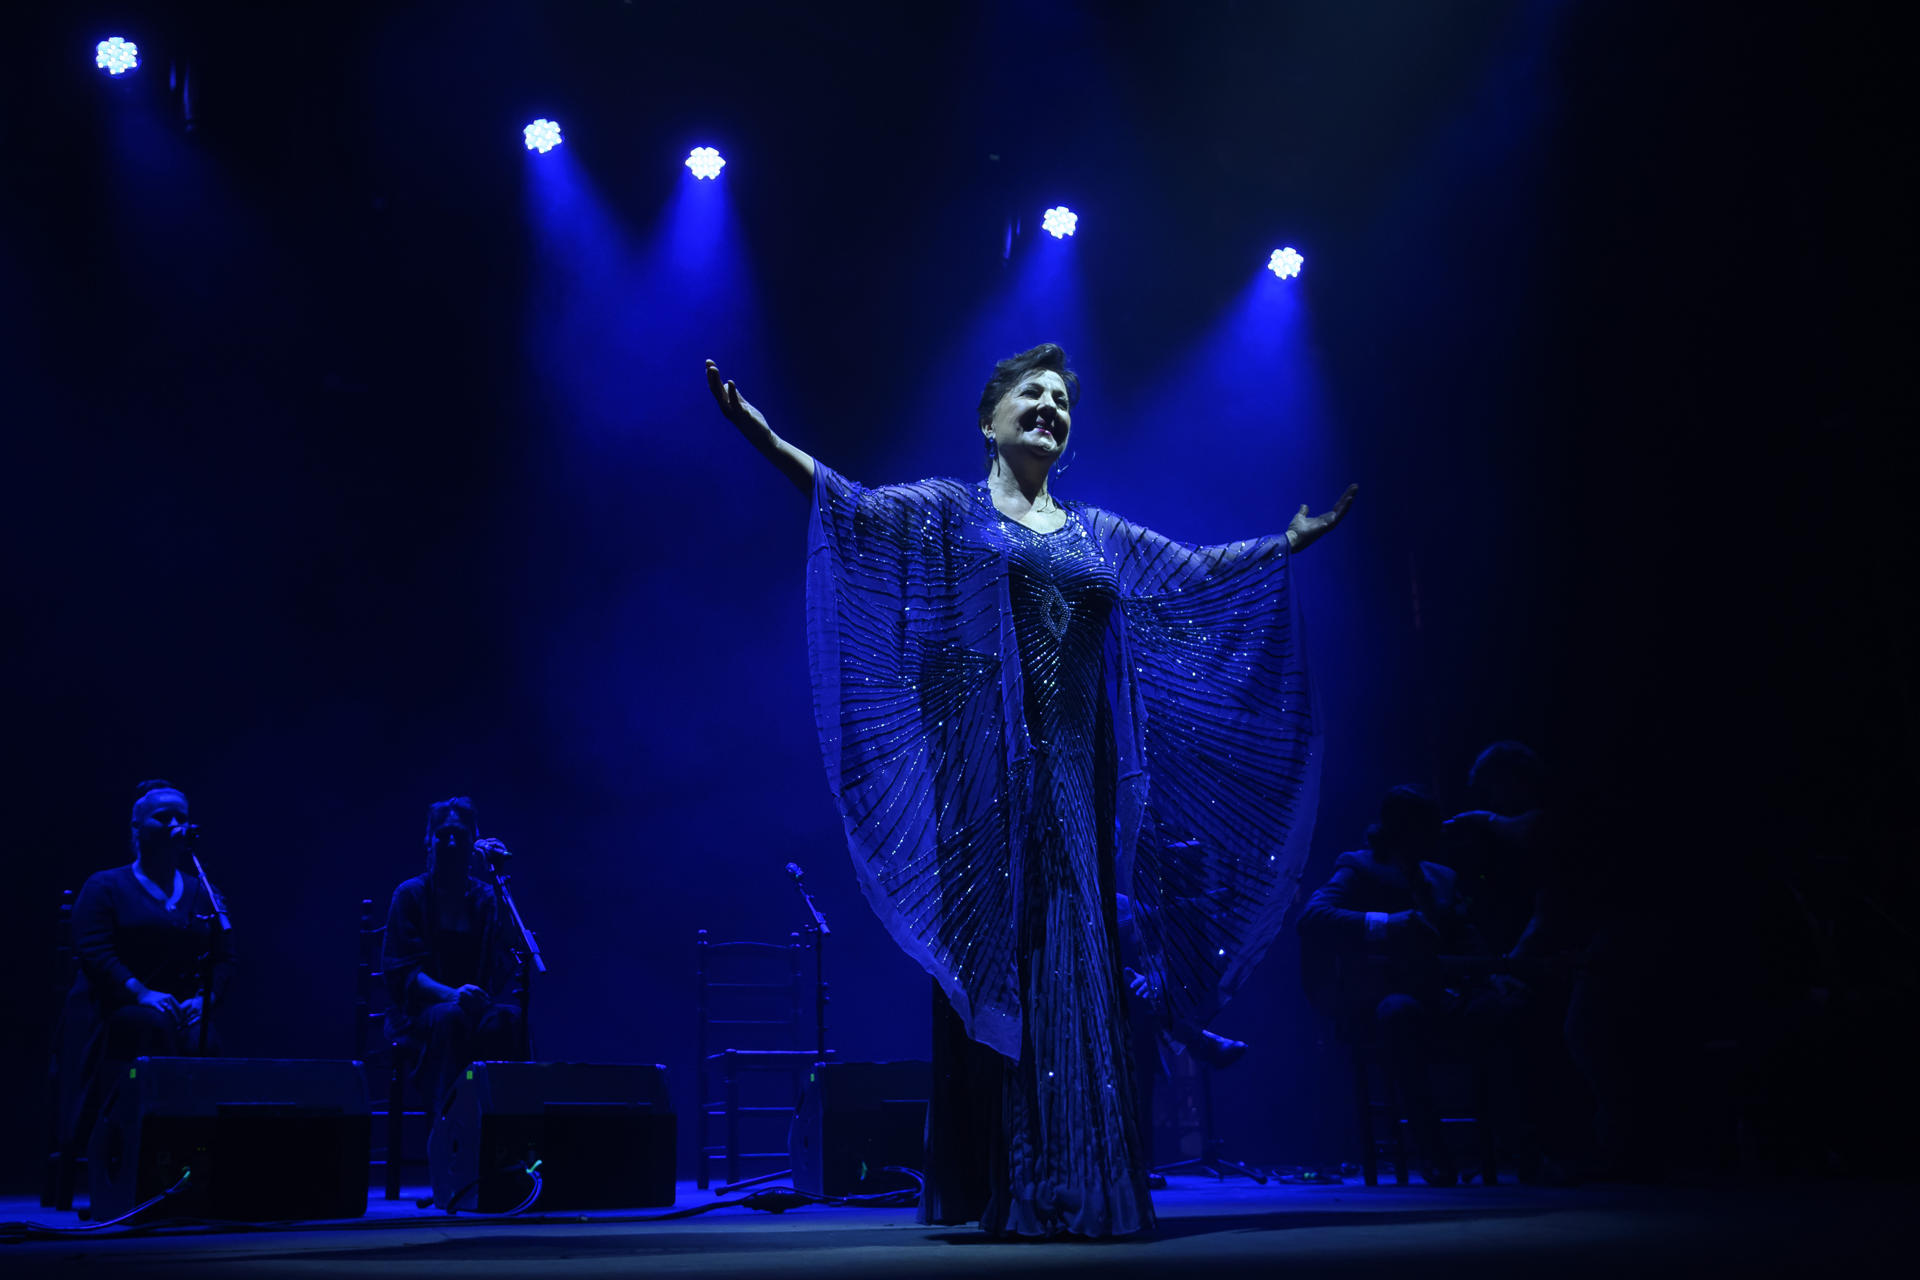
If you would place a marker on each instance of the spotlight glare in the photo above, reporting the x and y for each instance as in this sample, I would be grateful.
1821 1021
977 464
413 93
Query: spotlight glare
705 162
1285 263
116 56
542 136
1059 222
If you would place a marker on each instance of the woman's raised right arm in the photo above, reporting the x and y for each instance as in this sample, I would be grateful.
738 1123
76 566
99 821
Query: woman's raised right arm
795 464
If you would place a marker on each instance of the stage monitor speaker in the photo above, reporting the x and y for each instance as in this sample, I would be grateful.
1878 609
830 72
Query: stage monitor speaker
266 1139
603 1133
855 1120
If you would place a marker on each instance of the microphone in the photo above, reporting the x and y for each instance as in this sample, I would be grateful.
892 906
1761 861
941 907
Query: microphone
492 850
820 921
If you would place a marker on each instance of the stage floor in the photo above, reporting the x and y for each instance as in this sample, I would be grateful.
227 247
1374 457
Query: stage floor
1207 1229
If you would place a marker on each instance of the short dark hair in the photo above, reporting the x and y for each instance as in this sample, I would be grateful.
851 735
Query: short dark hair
1410 819
1512 762
1009 372
459 806
141 790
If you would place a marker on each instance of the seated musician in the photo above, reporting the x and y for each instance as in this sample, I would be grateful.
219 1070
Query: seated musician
1522 880
1382 919
1504 853
144 936
152 967
456 982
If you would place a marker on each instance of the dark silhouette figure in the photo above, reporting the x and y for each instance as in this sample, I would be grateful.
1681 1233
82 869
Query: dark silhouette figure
457 985
1517 878
151 967
1375 931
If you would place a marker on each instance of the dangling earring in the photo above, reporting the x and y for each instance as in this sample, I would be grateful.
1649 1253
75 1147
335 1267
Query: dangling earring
991 448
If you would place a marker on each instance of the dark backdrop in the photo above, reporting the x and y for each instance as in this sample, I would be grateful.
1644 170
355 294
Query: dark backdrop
328 500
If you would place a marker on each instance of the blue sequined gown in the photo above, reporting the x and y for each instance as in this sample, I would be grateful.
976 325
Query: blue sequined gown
1019 726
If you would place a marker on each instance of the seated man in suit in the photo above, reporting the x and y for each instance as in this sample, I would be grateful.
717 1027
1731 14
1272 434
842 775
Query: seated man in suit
456 982
1379 921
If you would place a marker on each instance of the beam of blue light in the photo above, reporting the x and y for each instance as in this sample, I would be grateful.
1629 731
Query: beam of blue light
542 136
1285 263
1038 298
613 309
1059 222
115 56
705 162
1269 424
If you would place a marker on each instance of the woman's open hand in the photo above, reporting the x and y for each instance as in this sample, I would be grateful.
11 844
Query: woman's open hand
1304 529
161 1003
795 464
751 422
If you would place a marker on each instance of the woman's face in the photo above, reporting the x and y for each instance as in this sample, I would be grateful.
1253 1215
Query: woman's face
159 815
452 843
1032 419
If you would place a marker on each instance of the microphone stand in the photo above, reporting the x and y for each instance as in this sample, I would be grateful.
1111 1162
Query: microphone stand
222 926
531 961
819 931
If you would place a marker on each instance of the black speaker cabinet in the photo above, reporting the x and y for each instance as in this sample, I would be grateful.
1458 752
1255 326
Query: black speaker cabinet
266 1139
603 1133
856 1119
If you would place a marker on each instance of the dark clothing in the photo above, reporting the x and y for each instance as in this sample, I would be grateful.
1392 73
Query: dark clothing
135 1031
1380 983
122 931
963 1138
1510 878
1334 930
448 1038
1363 881
455 941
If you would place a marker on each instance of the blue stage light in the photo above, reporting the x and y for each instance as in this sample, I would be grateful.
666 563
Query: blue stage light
116 56
1059 222
1285 263
542 136
705 162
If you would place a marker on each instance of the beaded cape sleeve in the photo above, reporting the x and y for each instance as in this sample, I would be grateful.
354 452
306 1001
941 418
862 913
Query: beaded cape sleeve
919 705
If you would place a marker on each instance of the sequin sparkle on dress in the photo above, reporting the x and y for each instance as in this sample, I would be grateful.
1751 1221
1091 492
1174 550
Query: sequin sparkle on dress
1018 726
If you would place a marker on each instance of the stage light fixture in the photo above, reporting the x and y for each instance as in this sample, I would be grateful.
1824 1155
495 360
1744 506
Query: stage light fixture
1285 263
116 56
542 136
705 162
1059 222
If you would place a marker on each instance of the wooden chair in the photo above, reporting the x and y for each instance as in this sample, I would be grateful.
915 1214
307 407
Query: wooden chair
385 1060
70 1107
772 996
1376 1101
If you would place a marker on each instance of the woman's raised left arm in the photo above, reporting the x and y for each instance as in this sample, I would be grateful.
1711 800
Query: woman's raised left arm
1304 530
